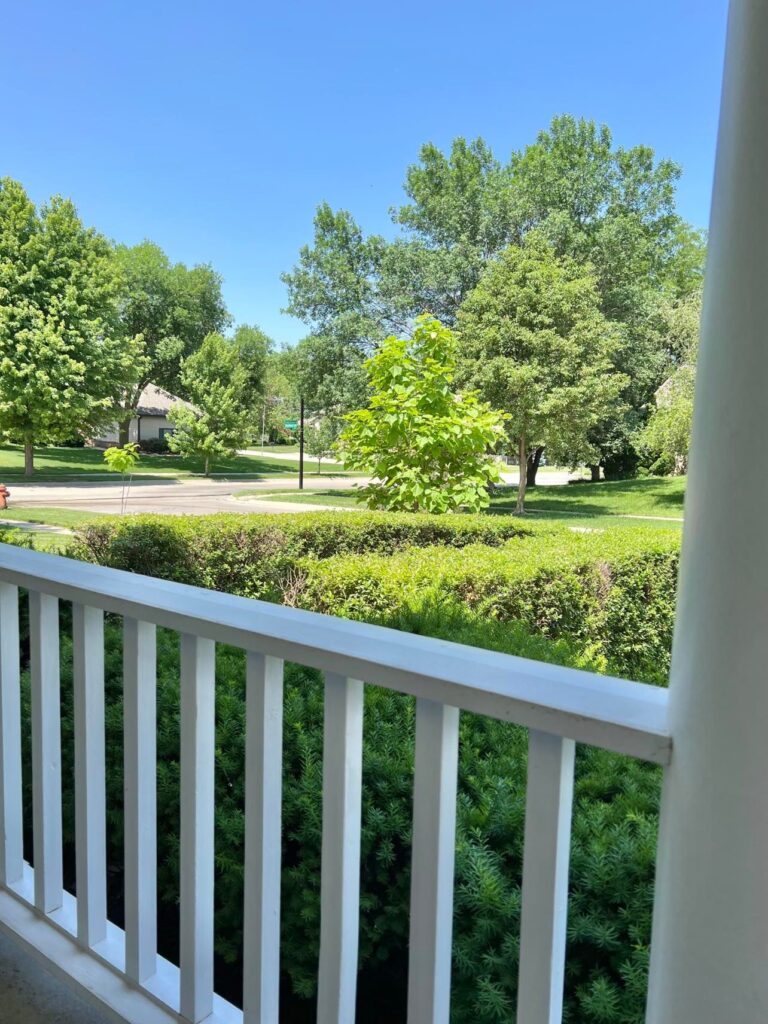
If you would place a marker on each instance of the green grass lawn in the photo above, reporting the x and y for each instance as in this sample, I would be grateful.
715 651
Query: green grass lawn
647 496
68 517
78 463
589 505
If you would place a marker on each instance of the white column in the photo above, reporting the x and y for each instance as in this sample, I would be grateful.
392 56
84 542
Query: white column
709 962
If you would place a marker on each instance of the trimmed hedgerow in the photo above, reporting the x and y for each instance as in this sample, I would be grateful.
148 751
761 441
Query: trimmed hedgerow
612 595
254 555
597 600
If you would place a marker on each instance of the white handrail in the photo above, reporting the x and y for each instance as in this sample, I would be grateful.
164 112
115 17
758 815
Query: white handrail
615 714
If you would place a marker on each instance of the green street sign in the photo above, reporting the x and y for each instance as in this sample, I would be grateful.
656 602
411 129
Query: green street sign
290 424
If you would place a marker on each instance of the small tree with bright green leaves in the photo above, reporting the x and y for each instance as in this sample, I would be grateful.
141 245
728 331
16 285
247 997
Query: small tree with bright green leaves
319 441
123 460
425 447
215 431
216 425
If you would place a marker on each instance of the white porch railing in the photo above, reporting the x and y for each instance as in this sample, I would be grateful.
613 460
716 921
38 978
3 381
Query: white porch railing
122 970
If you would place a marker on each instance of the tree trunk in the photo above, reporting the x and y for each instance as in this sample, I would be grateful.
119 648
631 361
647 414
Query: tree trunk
532 465
207 464
594 474
124 431
523 477
29 459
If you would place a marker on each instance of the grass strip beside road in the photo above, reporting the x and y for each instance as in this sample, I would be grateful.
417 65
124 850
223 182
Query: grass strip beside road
52 464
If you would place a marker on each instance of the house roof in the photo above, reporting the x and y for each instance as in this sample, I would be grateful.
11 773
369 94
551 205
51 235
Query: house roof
155 401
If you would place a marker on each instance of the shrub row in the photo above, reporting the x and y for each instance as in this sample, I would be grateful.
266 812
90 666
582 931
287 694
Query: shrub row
611 594
595 600
254 555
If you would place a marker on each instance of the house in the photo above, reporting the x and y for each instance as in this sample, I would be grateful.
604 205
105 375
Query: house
151 420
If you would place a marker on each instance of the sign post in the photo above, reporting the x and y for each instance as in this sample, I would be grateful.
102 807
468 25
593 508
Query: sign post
301 444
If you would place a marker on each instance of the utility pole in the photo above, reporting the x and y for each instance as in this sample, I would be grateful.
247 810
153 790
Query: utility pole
301 444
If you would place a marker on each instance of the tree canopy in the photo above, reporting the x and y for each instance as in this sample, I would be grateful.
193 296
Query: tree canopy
536 344
215 381
593 201
425 447
64 361
172 307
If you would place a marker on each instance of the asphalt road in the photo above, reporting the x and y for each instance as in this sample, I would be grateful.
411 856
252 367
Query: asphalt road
191 497
172 497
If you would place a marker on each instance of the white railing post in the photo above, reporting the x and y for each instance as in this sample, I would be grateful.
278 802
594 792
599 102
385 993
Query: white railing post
710 932
11 834
545 879
340 869
263 793
46 750
198 738
432 863
90 785
140 797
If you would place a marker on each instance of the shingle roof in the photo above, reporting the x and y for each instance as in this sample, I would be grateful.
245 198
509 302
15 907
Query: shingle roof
154 401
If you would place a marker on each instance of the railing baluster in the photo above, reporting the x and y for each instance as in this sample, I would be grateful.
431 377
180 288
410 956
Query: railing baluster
432 864
198 735
263 790
340 875
11 826
140 796
46 749
90 787
545 879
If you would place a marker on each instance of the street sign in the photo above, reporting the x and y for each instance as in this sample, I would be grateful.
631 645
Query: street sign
290 424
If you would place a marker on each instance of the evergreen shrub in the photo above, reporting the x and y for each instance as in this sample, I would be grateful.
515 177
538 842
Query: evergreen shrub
602 601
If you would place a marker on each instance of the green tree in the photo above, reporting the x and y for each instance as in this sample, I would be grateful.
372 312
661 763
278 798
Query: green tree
216 425
425 447
536 344
594 202
335 290
173 308
281 397
252 347
615 208
666 437
123 461
63 361
319 440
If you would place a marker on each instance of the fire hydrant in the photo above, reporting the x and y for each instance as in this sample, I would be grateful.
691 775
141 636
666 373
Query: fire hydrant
4 495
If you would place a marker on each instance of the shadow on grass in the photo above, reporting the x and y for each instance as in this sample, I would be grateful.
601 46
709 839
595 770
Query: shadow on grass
646 496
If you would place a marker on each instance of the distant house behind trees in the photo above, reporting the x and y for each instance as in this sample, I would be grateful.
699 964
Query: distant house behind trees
150 421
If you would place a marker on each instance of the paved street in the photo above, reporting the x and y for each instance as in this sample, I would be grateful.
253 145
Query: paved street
193 497
173 497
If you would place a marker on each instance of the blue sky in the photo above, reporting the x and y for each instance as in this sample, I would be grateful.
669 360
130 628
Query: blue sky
216 128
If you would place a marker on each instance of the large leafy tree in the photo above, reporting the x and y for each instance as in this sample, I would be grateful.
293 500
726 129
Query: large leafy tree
611 206
216 425
251 348
666 436
63 361
537 345
425 447
173 308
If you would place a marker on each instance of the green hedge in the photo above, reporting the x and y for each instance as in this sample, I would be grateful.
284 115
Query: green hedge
611 594
594 600
254 555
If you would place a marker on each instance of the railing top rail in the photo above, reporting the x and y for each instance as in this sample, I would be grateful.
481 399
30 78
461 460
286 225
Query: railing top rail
615 714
